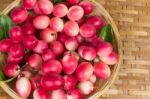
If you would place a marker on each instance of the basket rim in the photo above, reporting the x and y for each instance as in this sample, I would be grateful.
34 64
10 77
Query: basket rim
109 82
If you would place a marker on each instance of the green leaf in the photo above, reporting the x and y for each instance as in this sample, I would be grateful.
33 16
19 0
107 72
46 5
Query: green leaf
107 33
2 76
5 25
58 1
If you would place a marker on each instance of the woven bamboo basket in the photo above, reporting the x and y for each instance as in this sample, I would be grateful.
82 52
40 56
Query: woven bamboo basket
101 85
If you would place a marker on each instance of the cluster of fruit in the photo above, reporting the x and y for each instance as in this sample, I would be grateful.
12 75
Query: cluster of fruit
57 49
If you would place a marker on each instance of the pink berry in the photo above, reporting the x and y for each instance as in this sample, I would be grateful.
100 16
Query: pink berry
41 22
11 59
71 53
70 82
58 94
71 44
104 49
48 35
35 81
16 34
5 45
87 6
19 14
101 70
51 66
71 28
29 4
40 47
52 81
23 87
28 29
30 42
75 13
57 24
35 61
17 50
75 94
87 30
60 10
111 59
45 6
40 93
57 47
87 52
48 54
37 9
11 70
73 2
96 21
84 71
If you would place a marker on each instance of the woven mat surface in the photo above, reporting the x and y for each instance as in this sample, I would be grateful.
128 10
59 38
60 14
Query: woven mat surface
133 20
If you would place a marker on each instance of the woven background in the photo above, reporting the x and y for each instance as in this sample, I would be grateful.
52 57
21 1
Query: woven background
133 20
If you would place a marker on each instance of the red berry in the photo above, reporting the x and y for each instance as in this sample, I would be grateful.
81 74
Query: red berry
28 29
48 54
40 93
29 4
5 45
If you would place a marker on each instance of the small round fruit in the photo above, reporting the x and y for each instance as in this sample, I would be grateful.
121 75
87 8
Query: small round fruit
29 4
52 81
40 47
111 59
57 24
23 87
70 82
73 2
5 45
16 34
48 54
57 47
102 70
41 22
71 44
48 35
60 10
84 71
62 37
87 30
87 6
28 29
11 70
58 94
14 60
104 49
35 81
75 94
96 21
40 93
37 9
51 66
75 13
19 14
30 42
71 28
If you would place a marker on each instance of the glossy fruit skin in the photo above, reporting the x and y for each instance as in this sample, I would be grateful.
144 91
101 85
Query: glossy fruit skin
48 35
17 50
30 42
40 93
29 4
84 71
11 70
57 47
40 47
5 45
28 29
60 10
52 81
19 14
111 59
73 2
75 94
96 21
14 60
58 94
71 44
16 34
104 49
87 6
51 66
87 30
70 82
71 28
35 81
75 13
23 87
43 20
56 24
37 10
48 54
69 63
101 70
